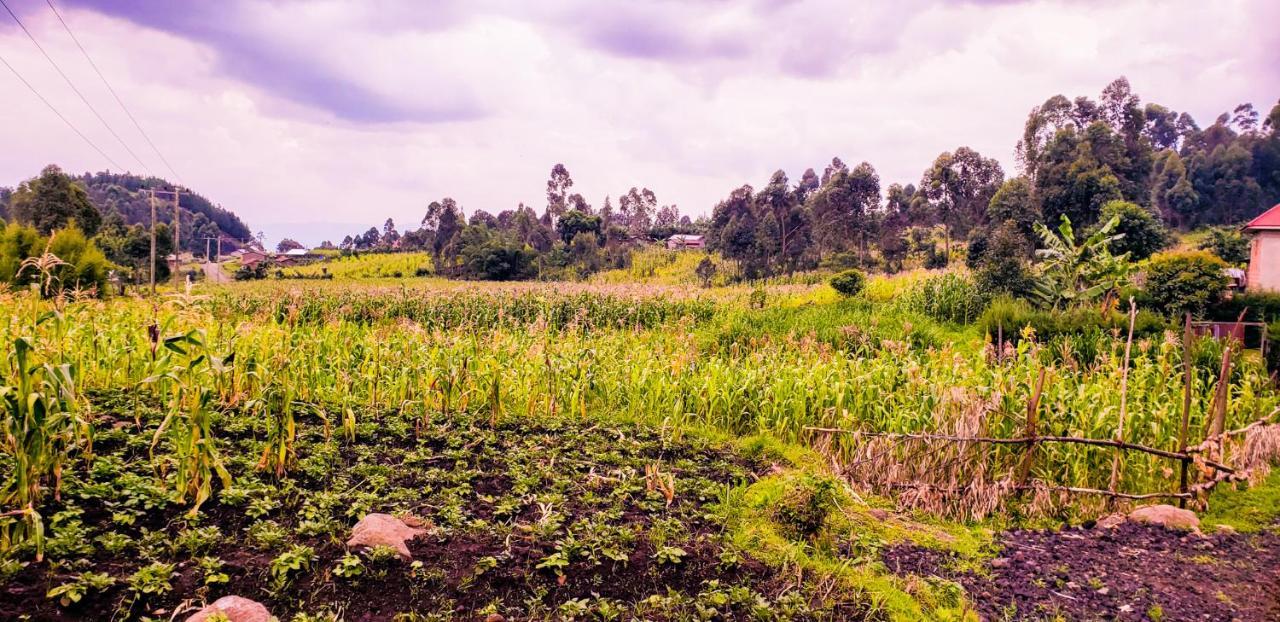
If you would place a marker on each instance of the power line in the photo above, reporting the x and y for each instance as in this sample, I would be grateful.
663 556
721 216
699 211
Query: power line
59 114
73 86
113 94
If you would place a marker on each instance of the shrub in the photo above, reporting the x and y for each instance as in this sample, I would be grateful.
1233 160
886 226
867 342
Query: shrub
948 297
1143 232
804 506
1003 268
1227 244
1185 282
849 282
1085 327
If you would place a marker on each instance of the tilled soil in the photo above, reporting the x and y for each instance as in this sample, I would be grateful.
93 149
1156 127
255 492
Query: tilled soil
1130 572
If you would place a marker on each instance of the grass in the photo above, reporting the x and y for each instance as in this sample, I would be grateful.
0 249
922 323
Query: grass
1248 510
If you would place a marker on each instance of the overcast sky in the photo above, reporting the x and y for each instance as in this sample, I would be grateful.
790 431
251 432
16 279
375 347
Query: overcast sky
337 114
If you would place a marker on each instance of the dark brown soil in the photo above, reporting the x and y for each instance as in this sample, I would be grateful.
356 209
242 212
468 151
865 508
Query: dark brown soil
1132 572
456 473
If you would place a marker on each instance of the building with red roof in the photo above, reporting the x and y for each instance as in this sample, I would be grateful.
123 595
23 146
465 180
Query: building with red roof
1264 254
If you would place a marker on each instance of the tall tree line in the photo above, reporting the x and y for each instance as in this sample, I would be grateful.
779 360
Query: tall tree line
1078 158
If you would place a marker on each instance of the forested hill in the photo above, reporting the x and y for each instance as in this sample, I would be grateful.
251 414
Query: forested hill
128 195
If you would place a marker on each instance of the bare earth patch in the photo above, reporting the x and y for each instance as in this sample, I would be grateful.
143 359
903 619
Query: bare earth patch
1130 572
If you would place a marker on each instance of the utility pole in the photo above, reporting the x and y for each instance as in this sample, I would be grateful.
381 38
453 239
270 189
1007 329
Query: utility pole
208 248
177 223
177 242
152 194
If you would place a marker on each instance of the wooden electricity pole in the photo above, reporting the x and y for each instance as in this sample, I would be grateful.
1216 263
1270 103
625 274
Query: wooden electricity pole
177 223
177 242
152 194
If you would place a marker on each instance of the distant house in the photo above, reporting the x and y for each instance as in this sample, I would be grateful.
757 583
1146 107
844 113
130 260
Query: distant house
297 252
681 241
252 258
1264 254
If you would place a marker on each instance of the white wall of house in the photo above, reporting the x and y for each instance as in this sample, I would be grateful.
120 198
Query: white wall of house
1264 261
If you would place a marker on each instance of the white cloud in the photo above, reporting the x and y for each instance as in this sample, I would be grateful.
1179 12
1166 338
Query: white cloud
786 87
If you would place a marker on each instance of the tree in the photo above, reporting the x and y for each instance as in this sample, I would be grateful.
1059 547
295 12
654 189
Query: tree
389 234
1015 202
1171 192
732 230
1190 282
52 201
705 271
960 185
1138 232
443 223
1003 268
558 191
575 222
635 211
1227 244
289 244
841 209
784 232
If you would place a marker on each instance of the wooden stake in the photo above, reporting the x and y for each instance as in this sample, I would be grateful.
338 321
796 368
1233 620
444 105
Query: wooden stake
1124 396
1033 409
1186 409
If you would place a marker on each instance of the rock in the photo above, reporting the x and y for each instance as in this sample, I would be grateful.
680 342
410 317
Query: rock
878 514
1110 521
495 617
1000 562
385 530
1226 530
1166 516
235 609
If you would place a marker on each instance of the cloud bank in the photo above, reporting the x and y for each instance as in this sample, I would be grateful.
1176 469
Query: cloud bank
305 112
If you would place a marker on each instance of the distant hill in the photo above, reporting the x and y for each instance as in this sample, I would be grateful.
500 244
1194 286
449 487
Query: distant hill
128 195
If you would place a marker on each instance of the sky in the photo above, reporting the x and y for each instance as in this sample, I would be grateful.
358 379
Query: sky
318 118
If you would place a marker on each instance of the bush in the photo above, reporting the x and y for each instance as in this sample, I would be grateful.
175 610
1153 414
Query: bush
1185 282
1227 244
1086 327
1257 306
948 297
1003 268
804 506
849 282
1143 232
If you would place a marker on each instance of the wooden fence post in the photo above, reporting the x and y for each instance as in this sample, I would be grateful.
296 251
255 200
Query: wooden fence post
1031 433
1186 409
1124 396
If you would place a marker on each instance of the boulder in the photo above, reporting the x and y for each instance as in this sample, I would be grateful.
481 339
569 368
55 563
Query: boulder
385 530
1167 516
234 609
1110 521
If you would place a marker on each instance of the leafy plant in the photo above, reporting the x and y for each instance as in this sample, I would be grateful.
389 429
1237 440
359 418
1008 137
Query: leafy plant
70 593
849 282
289 563
1078 271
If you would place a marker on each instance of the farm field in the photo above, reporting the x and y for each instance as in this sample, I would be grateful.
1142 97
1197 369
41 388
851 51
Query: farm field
590 451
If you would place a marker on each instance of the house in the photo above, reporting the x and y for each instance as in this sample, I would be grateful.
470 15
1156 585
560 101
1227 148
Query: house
297 252
252 258
1264 254
682 241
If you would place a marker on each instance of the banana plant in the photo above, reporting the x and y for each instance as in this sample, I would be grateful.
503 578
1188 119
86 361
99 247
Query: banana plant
1079 271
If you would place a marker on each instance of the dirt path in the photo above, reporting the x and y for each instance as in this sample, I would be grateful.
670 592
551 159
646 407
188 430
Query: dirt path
1131 572
214 274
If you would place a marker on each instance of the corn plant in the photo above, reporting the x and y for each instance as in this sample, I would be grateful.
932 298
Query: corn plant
190 375
41 426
